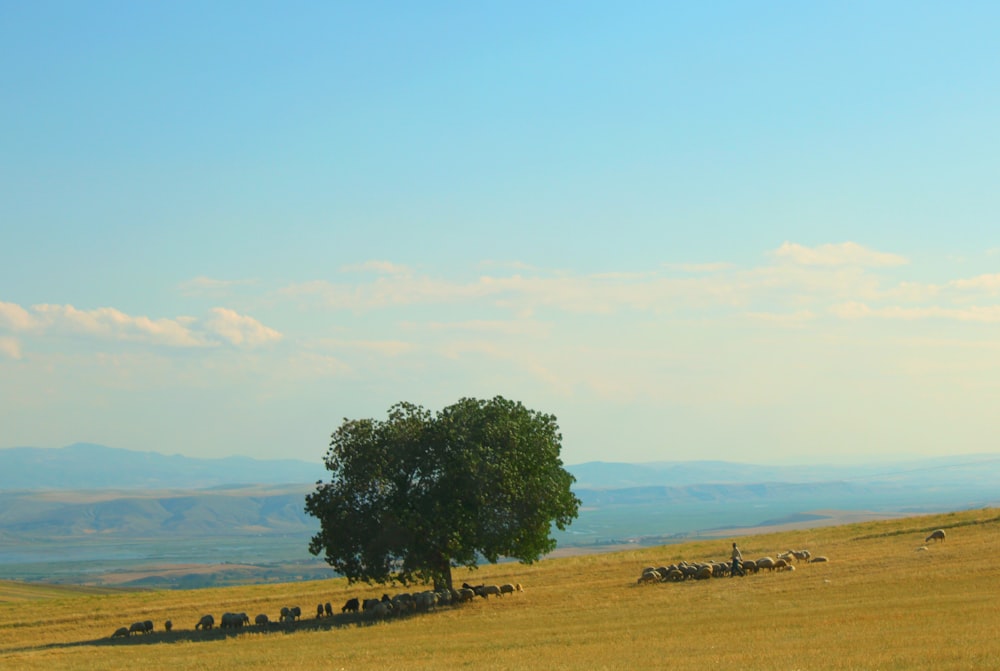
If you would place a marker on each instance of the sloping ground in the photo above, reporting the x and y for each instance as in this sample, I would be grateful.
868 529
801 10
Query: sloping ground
17 592
886 599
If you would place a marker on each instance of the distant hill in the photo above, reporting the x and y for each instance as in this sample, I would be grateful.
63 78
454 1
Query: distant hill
248 511
89 466
975 470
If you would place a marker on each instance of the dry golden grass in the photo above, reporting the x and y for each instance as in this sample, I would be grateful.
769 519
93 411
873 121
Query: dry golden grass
879 603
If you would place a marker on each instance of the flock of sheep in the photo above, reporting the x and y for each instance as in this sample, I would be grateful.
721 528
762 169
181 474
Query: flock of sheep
719 569
400 604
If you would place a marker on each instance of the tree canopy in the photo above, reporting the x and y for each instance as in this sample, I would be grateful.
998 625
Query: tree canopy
416 494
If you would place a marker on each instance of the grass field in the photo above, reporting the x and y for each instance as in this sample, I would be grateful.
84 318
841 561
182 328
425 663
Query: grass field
881 602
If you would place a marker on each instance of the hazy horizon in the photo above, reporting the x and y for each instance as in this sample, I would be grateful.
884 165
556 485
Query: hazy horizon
762 234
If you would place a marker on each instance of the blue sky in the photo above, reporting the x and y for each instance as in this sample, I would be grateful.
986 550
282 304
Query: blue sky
762 232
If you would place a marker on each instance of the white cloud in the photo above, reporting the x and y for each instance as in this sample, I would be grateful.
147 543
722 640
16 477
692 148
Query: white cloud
108 323
989 283
983 314
240 329
112 323
10 348
842 254
16 318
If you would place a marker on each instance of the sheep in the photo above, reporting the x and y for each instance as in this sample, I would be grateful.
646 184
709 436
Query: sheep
765 562
486 590
936 535
319 611
120 632
507 588
801 555
466 594
378 610
296 612
674 575
351 606
206 622
704 573
234 620
261 620
168 625
779 565
425 600
328 609
648 575
137 628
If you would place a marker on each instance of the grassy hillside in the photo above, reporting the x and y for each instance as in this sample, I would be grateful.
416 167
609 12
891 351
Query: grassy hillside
885 600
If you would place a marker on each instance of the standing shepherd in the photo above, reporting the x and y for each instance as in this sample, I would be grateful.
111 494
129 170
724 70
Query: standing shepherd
737 568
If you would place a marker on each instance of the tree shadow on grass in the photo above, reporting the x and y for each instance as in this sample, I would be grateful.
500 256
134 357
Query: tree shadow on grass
330 623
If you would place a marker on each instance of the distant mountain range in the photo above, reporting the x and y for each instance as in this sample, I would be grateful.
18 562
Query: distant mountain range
89 466
99 493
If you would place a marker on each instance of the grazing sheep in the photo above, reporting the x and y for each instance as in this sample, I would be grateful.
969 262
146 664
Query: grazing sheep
779 565
206 622
704 573
648 577
801 555
168 625
137 628
379 609
351 606
296 612
487 590
120 632
506 588
368 604
674 575
234 620
466 594
328 609
765 562
424 601
319 611
936 535
261 620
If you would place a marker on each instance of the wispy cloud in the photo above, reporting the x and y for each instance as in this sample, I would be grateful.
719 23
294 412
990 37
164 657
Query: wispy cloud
10 348
841 254
989 283
108 323
239 329
16 318
986 314
111 323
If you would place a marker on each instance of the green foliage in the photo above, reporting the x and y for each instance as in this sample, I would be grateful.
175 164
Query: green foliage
417 494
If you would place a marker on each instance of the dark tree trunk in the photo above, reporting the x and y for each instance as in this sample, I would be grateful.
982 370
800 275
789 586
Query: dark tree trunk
443 581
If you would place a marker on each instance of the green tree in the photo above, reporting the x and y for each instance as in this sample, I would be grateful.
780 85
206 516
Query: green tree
415 495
